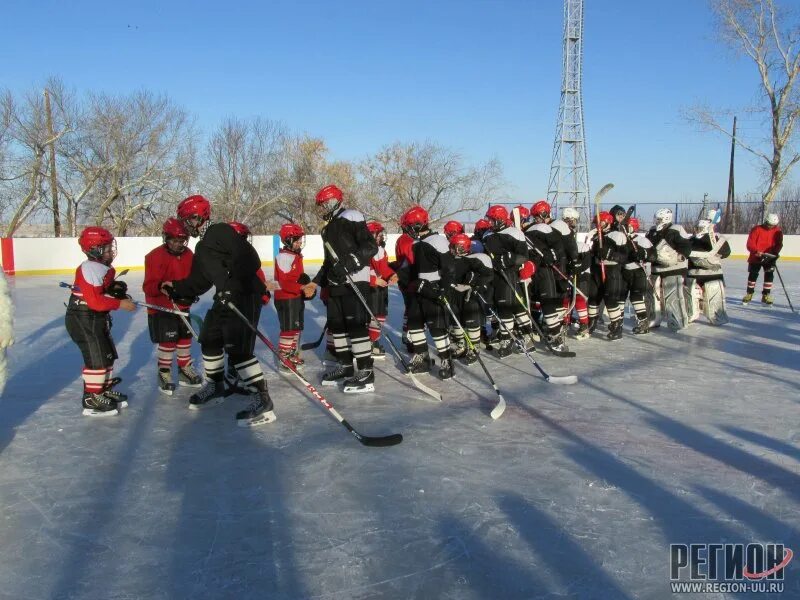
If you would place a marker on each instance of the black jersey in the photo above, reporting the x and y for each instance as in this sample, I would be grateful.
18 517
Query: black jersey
347 234
225 260
433 261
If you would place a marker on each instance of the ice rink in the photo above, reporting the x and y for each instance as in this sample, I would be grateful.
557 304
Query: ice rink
575 492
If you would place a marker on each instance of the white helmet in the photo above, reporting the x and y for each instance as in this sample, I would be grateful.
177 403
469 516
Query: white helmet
663 218
772 219
570 213
712 214
703 226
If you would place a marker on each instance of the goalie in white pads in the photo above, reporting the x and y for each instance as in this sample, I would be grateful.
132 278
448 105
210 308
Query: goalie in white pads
668 295
705 280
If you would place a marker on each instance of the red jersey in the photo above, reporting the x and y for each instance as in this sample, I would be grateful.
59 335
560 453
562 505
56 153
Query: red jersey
403 251
762 240
379 266
92 278
161 266
288 269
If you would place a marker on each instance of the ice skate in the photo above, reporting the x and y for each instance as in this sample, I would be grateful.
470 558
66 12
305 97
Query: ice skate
165 384
361 382
213 393
337 375
98 405
188 377
260 412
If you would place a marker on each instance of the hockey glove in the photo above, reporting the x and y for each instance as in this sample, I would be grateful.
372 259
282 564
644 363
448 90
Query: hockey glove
527 270
223 297
118 289
429 289
266 298
346 265
304 279
504 260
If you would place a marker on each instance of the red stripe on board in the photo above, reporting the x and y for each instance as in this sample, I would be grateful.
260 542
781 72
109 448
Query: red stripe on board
7 250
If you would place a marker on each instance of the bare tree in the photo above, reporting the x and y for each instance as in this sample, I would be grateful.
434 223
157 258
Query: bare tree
308 171
763 32
246 168
133 154
24 126
428 174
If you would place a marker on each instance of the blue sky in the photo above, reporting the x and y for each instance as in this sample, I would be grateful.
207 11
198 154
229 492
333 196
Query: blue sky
481 77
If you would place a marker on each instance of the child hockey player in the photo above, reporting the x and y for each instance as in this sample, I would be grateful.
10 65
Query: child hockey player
705 274
346 232
763 239
634 277
289 297
95 294
381 276
171 260
668 295
472 272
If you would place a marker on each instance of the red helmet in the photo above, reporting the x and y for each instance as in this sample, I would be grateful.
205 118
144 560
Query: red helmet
416 218
93 241
461 243
174 228
290 232
241 228
329 192
497 216
481 225
375 227
633 223
194 206
541 208
524 213
452 228
605 219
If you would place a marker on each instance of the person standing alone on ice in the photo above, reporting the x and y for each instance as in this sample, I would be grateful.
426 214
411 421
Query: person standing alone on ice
345 231
764 244
224 260
6 327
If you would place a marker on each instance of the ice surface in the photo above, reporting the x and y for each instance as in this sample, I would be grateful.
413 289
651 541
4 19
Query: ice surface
575 492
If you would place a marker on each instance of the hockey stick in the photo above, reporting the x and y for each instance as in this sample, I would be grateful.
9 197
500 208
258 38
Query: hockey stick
312 345
561 353
73 288
185 320
780 279
387 440
420 386
555 379
597 197
500 407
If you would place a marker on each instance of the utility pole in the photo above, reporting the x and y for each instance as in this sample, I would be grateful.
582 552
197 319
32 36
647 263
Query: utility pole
53 179
730 209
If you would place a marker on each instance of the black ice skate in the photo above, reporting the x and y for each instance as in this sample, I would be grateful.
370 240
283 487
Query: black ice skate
420 363
259 412
213 393
614 330
361 382
446 369
98 405
583 332
165 385
503 348
471 357
642 326
188 377
338 375
117 398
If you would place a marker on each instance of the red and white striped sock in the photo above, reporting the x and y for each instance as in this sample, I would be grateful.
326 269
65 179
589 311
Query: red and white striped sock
94 380
184 352
164 353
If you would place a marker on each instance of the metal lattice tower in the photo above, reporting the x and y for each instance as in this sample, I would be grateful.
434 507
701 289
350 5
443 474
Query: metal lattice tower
569 169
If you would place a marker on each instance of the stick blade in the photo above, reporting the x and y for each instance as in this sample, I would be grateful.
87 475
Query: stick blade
424 388
565 380
603 191
381 442
498 410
